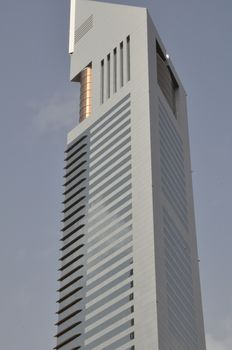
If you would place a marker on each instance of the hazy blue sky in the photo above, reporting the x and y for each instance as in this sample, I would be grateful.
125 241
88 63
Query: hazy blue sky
39 106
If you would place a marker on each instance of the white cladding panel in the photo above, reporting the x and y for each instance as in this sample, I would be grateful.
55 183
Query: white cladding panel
72 26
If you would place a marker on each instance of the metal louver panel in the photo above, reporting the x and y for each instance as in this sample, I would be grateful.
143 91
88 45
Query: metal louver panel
96 306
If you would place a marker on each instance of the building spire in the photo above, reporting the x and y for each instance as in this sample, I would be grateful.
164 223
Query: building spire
72 25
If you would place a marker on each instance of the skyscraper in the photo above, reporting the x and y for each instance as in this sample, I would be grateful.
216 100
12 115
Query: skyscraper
129 263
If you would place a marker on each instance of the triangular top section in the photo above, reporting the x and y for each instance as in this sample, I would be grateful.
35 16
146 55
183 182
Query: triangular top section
96 28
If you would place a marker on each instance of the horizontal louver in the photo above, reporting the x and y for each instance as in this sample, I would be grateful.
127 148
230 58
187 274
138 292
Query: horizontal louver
96 282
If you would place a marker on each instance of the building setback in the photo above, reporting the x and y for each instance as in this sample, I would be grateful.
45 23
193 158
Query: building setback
129 263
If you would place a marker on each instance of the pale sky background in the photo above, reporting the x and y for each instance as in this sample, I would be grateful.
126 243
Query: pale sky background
39 106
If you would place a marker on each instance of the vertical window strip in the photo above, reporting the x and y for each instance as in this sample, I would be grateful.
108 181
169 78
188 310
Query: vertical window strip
121 65
108 76
102 82
115 70
128 58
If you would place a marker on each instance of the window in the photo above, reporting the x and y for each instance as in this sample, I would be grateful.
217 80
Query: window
108 76
128 57
115 70
102 81
121 65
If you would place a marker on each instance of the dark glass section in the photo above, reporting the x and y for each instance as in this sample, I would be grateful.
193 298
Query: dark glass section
166 79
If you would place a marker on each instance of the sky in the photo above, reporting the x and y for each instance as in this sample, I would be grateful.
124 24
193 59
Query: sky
39 106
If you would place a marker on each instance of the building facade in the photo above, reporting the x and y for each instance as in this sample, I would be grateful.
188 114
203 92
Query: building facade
129 263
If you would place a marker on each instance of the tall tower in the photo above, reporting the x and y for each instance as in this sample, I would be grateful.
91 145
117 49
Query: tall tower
129 264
